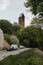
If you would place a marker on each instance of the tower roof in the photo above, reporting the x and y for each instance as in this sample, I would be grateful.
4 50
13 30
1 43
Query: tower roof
21 15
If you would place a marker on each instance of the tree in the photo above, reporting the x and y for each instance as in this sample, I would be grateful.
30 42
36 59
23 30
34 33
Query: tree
15 29
34 36
40 7
29 37
36 6
6 26
36 20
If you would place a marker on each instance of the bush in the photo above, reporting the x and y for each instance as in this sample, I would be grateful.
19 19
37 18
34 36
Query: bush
11 39
26 43
14 40
29 37
7 38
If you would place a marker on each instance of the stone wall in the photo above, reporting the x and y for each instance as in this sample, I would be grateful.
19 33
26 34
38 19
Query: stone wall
3 43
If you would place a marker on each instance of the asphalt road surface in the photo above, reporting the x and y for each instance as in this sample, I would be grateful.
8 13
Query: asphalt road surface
5 53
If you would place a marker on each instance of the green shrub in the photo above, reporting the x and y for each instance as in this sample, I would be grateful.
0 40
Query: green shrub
14 39
26 42
30 36
7 38
11 39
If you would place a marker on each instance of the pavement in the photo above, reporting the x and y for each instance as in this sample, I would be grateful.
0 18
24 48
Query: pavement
5 53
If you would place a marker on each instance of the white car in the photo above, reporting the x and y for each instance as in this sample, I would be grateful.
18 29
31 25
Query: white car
21 47
14 46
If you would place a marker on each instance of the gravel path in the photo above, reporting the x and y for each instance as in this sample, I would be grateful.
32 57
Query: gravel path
5 53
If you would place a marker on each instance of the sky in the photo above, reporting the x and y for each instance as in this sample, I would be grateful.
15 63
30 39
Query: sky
11 10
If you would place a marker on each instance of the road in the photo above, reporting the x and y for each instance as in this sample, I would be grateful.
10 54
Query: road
5 53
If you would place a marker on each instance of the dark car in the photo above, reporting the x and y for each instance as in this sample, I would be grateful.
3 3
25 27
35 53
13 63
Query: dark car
9 48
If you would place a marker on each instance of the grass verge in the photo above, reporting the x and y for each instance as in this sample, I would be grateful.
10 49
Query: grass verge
30 57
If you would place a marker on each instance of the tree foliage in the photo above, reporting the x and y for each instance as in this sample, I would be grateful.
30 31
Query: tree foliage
9 28
30 36
36 20
11 39
14 40
36 6
15 29
6 26
40 7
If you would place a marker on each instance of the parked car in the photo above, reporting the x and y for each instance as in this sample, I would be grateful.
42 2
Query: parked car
14 46
9 48
21 47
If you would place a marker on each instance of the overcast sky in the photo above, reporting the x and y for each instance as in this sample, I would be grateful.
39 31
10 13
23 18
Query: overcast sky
11 9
